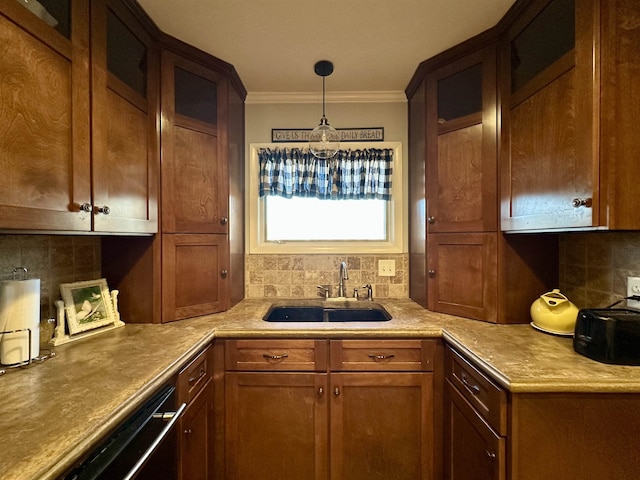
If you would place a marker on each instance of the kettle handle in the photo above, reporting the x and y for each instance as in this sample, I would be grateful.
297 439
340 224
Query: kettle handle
554 298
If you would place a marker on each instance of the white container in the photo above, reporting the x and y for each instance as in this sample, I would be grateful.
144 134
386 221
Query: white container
19 313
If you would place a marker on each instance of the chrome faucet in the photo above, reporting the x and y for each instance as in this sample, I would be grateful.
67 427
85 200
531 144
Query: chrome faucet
324 291
344 275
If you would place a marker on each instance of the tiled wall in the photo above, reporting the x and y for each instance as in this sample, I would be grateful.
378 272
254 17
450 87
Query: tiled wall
594 266
54 259
297 276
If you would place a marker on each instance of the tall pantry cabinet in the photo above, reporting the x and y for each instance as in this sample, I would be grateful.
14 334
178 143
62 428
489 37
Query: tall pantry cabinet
195 249
461 186
461 263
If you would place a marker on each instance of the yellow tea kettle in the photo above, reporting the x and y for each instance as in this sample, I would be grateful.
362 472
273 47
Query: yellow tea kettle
554 313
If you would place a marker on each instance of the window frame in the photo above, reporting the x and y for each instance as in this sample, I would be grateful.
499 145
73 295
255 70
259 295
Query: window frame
256 238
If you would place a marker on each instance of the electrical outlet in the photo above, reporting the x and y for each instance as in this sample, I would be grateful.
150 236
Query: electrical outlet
386 268
633 288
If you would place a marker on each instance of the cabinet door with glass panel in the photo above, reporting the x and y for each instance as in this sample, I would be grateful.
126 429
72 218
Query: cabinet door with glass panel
549 117
195 187
44 115
124 121
461 145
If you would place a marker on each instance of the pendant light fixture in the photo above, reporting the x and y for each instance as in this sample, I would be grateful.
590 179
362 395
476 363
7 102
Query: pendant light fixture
324 140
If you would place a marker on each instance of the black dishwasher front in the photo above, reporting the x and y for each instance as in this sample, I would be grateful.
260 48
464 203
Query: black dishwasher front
143 447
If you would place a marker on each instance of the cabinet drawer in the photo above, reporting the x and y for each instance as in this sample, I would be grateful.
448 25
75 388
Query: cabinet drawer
194 377
483 394
292 355
382 355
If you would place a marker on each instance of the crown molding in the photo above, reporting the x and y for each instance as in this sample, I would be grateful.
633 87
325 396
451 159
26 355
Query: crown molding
332 97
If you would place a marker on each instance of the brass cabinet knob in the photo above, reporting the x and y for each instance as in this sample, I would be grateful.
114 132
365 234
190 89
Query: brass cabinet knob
431 220
431 273
224 273
224 221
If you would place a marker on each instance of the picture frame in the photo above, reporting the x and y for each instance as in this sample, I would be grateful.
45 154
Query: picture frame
88 305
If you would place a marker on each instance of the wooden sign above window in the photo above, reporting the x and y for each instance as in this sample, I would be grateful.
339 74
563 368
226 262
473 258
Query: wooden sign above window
292 135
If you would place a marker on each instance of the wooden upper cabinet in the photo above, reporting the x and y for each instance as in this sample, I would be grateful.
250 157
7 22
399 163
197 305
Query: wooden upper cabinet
195 185
125 121
45 116
78 125
549 114
462 145
619 113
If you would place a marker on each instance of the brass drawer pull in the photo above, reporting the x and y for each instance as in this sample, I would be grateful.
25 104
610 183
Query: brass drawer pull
381 356
320 392
201 374
474 389
274 357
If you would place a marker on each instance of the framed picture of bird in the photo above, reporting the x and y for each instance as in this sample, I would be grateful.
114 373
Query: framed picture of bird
88 305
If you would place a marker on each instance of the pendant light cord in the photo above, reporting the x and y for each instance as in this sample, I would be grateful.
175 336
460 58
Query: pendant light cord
323 96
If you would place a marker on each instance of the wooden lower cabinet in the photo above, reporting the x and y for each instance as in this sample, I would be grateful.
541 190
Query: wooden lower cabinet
195 455
326 424
276 425
473 449
574 436
287 425
475 422
196 438
492 434
381 426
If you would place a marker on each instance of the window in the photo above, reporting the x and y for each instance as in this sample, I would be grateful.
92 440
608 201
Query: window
317 225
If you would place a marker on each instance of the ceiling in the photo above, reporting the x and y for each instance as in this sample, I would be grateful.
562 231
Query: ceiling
375 45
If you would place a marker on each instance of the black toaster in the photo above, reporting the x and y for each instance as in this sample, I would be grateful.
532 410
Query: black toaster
609 335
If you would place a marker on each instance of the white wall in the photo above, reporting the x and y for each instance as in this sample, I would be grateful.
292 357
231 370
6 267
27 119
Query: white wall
261 118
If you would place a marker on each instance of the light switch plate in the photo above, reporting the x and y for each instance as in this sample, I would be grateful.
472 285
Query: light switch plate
386 268
633 288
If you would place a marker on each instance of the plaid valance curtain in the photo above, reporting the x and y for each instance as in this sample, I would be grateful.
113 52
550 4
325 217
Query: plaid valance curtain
350 174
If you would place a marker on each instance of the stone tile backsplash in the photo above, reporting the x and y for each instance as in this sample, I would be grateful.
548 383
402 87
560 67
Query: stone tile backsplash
594 266
298 276
54 259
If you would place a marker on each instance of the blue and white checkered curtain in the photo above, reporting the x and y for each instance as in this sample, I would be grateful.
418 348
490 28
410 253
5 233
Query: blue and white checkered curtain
350 174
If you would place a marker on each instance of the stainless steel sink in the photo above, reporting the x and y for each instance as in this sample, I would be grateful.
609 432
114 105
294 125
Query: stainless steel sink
314 313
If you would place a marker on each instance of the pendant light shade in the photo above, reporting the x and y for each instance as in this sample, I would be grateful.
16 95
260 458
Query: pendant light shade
324 140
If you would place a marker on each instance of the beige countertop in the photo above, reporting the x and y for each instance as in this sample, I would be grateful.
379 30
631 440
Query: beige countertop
52 412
